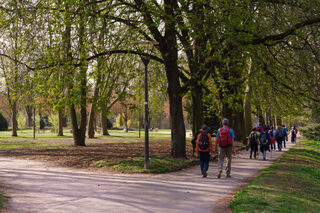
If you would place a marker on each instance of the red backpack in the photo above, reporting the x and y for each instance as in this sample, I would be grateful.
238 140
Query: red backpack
224 138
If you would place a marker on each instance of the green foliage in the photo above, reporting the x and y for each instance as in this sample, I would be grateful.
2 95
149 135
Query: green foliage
290 185
3 123
119 121
42 124
3 199
54 120
311 131
21 122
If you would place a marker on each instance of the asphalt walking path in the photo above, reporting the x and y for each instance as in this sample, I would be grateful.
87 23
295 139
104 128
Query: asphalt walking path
35 187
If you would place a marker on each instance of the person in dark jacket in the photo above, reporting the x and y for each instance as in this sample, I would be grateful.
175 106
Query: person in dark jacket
253 143
264 138
279 138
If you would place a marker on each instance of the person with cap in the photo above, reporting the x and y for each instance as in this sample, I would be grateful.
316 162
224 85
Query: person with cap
225 139
204 149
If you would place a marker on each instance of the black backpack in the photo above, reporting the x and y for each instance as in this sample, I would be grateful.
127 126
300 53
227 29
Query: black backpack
263 139
253 138
203 141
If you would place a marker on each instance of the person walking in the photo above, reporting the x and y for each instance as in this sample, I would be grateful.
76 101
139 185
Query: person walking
279 138
225 139
272 133
264 143
253 143
204 149
293 135
284 135
296 131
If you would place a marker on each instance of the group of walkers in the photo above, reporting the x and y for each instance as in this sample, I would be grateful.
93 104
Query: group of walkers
204 147
265 138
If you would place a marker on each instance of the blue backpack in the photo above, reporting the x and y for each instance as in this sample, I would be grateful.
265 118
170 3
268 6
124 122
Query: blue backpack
279 134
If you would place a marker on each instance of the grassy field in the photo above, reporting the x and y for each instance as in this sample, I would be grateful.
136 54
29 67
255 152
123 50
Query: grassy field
136 164
290 185
47 134
3 199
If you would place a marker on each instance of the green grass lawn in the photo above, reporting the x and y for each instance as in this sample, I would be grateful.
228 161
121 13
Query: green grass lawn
290 185
3 199
136 164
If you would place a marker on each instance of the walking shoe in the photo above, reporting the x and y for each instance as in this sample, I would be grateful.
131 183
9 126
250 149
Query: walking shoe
219 174
204 174
228 176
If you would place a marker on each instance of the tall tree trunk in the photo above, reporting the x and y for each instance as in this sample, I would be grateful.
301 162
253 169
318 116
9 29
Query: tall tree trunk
236 121
92 118
83 76
268 117
29 115
196 61
14 118
247 102
170 55
260 116
78 135
60 128
178 132
247 111
104 123
79 132
197 109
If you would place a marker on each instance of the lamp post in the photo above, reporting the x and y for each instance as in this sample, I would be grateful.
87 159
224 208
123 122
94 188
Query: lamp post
146 60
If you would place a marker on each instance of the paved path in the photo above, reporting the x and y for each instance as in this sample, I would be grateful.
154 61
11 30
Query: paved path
36 187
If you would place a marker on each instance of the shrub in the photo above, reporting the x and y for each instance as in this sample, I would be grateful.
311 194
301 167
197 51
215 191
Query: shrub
311 131
42 123
3 123
109 124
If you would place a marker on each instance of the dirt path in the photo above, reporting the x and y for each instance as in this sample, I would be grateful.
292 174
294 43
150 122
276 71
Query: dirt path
36 187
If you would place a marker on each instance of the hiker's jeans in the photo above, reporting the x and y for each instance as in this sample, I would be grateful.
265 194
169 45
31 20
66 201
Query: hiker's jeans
273 146
264 154
284 141
279 144
204 161
225 151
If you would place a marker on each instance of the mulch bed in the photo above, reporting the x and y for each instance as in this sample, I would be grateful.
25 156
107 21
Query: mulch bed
85 157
